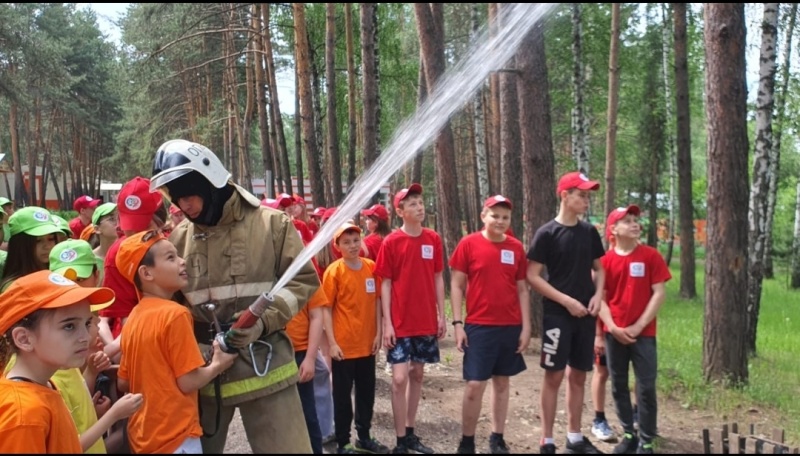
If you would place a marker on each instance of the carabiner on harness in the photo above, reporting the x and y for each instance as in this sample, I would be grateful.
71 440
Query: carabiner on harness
253 357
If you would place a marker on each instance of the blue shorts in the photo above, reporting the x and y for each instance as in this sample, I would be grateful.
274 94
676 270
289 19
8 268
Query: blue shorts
492 351
419 349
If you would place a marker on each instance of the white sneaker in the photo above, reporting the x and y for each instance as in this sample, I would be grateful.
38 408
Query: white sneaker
603 431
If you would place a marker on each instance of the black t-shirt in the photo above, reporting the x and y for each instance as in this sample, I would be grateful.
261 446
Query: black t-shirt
568 253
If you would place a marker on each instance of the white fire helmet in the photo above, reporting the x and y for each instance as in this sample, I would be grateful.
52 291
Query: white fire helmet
178 157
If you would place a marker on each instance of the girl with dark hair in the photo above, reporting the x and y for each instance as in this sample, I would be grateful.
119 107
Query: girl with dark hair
33 235
377 221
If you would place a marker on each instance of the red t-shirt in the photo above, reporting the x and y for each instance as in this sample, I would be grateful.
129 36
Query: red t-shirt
629 281
313 227
124 291
373 243
411 264
303 231
493 270
77 227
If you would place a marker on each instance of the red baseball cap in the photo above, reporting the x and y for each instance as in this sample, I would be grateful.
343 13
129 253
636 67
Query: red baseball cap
328 213
297 199
83 202
403 193
493 201
576 180
319 212
136 204
377 210
618 214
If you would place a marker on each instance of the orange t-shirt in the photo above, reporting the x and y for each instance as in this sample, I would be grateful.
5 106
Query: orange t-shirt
354 299
297 328
158 346
35 419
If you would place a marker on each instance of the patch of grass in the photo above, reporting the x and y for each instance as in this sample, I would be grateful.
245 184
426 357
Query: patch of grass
774 377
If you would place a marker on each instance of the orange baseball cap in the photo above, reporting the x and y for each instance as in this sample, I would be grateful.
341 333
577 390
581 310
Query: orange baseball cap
493 201
347 227
403 193
576 180
131 251
87 232
46 290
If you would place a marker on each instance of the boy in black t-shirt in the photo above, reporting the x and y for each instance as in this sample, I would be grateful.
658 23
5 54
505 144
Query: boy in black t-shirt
570 249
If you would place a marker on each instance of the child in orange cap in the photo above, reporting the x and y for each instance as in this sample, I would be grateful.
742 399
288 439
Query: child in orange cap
160 357
44 319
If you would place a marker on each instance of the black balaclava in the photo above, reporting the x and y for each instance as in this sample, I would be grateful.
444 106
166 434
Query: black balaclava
195 184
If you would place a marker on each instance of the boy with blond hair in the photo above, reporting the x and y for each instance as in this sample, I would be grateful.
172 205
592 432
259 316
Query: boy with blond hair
160 357
634 291
354 337
570 249
410 263
489 267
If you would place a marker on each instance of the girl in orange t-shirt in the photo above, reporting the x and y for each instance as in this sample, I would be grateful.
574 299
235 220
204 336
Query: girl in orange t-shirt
44 319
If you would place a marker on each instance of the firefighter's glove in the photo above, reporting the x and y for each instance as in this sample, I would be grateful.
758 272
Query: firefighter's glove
242 337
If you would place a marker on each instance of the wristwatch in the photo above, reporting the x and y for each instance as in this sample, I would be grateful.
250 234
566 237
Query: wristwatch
458 322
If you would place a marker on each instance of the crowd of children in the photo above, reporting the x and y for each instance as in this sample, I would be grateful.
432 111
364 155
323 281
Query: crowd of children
116 368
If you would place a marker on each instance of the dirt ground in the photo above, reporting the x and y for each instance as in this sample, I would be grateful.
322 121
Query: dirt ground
439 416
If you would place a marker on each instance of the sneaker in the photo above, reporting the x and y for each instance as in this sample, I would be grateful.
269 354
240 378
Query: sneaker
498 446
603 431
628 445
328 439
371 446
547 448
582 447
400 449
465 448
413 443
347 449
645 448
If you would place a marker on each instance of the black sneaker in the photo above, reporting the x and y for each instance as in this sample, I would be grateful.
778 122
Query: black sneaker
465 448
629 444
371 445
413 443
547 448
645 448
400 449
582 447
498 446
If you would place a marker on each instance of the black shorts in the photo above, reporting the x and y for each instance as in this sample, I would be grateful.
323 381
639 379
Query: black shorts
492 351
567 340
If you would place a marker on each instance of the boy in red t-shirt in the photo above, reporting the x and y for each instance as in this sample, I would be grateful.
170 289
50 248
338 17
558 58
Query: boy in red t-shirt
412 293
354 336
634 291
492 266
160 357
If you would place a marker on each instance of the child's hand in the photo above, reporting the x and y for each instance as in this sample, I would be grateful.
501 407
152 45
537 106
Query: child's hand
126 406
461 338
599 346
336 352
101 404
594 305
442 328
221 359
307 368
388 337
524 339
575 308
622 336
98 362
376 343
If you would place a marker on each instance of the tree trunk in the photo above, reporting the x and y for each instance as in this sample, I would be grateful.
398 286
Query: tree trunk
33 152
579 147
20 194
277 118
298 137
775 156
267 158
319 142
511 157
430 26
613 104
669 132
351 96
757 213
495 171
724 348
370 85
303 56
538 160
422 95
247 118
795 272
330 85
479 124
688 287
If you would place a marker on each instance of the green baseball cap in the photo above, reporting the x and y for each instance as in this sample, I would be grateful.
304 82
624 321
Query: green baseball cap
62 224
73 254
103 209
33 221
4 201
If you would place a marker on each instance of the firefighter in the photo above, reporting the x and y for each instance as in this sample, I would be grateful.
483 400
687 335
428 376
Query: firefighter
235 250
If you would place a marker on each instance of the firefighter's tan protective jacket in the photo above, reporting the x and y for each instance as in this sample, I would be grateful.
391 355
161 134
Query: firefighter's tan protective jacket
230 265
